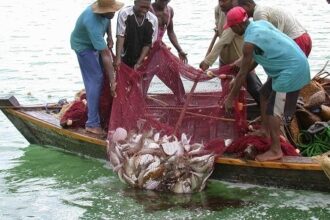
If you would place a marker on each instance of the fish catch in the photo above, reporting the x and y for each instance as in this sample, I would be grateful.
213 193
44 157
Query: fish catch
150 161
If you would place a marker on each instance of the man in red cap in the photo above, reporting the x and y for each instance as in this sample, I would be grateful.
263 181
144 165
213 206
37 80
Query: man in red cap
286 66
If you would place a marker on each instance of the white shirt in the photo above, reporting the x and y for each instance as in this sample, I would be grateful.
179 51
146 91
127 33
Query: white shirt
127 12
281 19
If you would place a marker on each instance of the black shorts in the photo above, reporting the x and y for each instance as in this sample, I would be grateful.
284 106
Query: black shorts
281 104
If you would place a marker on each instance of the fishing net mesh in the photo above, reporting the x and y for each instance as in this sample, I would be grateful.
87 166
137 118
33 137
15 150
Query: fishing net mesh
204 118
200 115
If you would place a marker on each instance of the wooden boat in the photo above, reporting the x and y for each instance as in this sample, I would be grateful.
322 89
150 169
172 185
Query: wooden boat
40 127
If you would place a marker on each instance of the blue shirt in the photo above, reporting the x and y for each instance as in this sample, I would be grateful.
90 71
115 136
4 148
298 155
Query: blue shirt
89 31
279 55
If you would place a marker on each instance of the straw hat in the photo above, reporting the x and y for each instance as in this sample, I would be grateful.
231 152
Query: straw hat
106 6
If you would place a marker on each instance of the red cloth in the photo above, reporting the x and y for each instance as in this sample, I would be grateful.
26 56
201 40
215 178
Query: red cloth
77 113
305 43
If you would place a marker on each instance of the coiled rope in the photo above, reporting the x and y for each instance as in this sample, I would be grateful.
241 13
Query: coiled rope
314 144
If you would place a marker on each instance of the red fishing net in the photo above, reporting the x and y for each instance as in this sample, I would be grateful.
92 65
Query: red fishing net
200 115
204 118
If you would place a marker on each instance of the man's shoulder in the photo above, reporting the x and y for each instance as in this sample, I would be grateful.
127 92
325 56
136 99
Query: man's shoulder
87 13
170 8
151 17
90 19
268 9
126 11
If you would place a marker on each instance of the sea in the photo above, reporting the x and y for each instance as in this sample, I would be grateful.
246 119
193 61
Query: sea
37 66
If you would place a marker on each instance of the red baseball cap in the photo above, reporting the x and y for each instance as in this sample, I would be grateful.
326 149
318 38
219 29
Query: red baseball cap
235 16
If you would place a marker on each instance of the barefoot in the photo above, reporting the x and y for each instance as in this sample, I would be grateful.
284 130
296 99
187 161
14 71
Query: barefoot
96 130
270 155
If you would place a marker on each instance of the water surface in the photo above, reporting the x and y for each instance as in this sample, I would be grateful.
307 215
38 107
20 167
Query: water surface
38 66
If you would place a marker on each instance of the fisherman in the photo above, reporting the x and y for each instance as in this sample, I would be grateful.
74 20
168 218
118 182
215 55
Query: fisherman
286 66
94 57
165 15
136 31
282 20
229 48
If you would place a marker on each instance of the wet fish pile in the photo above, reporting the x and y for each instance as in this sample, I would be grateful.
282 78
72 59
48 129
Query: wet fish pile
149 161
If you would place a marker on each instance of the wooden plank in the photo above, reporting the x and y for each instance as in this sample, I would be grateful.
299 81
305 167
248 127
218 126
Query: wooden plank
9 102
294 164
283 178
67 132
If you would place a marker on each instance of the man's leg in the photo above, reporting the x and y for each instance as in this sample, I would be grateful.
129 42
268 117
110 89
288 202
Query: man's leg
253 85
93 78
280 108
264 94
275 151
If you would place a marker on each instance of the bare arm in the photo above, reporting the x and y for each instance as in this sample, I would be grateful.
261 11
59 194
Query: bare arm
143 54
108 67
109 38
172 36
247 64
119 49
226 38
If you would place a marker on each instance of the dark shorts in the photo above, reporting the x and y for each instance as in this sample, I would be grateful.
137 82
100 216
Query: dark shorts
281 104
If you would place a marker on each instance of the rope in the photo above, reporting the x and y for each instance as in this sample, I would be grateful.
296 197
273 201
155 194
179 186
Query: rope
312 145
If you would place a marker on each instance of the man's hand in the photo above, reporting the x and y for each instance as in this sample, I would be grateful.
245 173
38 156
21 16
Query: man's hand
113 89
183 56
137 65
110 42
231 83
237 62
116 63
229 102
204 66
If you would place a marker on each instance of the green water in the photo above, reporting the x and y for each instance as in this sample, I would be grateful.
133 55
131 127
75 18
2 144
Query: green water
38 66
46 183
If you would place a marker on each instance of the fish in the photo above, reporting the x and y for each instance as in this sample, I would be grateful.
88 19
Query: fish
150 161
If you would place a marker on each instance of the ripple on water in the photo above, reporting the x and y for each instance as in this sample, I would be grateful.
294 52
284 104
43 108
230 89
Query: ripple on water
38 66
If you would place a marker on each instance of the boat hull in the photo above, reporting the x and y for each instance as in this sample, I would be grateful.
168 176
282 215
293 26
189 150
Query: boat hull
300 179
39 132
296 172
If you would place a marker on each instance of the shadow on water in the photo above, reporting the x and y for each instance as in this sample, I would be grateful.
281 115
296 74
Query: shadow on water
159 201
